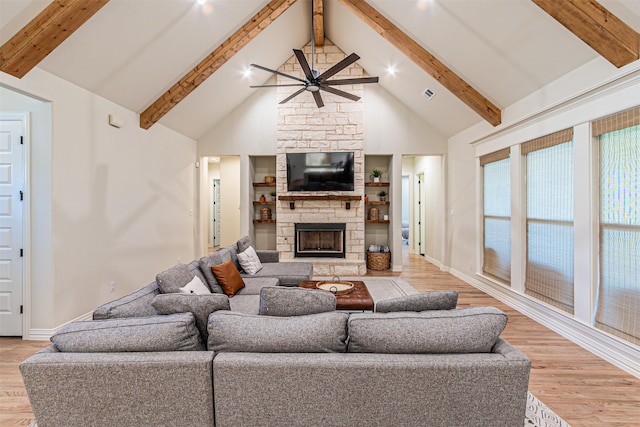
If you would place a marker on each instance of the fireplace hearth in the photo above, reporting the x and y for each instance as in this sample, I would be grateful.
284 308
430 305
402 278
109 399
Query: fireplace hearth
320 240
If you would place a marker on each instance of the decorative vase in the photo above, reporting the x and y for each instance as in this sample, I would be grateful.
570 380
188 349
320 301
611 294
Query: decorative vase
376 179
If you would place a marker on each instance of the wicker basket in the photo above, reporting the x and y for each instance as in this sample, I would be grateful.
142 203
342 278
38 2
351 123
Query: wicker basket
378 260
269 179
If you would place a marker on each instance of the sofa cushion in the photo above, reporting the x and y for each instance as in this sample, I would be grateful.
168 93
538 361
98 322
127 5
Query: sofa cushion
200 305
194 287
211 260
136 304
314 333
444 300
249 261
228 277
289 273
253 285
243 243
194 267
171 280
175 332
288 301
469 330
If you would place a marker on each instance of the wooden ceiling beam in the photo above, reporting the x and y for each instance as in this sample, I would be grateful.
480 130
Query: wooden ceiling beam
425 60
216 59
318 22
614 40
44 33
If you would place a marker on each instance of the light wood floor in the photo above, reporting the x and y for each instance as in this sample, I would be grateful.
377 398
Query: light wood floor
582 388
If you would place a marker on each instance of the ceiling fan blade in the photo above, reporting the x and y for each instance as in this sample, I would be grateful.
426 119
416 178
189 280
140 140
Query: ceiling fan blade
293 84
277 72
318 98
339 66
304 64
293 95
355 81
339 93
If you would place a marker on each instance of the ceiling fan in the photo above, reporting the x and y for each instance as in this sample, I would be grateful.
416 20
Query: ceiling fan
315 82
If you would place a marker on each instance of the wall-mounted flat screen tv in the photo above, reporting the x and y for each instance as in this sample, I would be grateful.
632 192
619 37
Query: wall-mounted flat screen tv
328 171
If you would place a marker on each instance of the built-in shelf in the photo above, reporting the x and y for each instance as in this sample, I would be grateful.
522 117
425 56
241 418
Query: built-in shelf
264 184
267 202
376 221
377 184
264 221
385 203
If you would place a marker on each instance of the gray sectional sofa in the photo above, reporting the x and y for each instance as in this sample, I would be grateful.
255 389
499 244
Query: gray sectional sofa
169 359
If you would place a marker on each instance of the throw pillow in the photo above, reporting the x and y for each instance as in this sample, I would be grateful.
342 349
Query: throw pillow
444 300
243 243
230 331
171 280
176 332
288 301
200 305
469 330
195 286
249 261
228 277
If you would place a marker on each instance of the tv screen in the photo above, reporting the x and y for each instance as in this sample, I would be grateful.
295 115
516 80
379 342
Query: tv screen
320 171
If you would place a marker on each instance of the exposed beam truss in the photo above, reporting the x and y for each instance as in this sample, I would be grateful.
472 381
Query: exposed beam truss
318 22
596 26
44 33
425 60
209 65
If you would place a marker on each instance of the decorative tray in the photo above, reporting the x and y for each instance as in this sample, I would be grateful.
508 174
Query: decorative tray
337 287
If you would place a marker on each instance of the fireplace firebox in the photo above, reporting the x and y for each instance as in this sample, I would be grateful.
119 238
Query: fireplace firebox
320 240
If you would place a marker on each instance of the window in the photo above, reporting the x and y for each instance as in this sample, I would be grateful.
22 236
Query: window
497 215
618 299
549 178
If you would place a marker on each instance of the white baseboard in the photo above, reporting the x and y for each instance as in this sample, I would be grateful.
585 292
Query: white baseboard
624 355
45 334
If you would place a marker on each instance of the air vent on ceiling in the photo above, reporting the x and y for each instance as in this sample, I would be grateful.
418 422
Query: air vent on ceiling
428 93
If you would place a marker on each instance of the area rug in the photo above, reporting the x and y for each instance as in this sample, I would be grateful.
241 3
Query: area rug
537 415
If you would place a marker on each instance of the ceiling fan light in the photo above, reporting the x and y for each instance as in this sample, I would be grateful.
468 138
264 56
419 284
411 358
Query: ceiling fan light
313 88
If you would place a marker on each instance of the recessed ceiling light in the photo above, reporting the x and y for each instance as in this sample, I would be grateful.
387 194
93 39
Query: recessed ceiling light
246 73
391 70
201 2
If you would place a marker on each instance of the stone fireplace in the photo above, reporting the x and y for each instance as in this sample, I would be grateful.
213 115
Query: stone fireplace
319 240
303 127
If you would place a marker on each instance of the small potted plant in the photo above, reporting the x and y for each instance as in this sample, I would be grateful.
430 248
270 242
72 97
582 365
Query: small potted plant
273 196
382 195
376 174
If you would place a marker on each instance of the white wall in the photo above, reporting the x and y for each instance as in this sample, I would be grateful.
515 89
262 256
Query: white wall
229 199
110 205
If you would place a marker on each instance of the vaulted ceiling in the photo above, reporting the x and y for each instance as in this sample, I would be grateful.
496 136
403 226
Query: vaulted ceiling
133 52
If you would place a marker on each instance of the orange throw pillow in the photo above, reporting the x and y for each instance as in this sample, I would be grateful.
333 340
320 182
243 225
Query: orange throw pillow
228 277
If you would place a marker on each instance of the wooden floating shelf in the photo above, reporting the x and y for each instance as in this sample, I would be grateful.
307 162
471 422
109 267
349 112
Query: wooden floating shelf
376 184
267 202
264 221
292 199
326 197
263 184
376 221
378 203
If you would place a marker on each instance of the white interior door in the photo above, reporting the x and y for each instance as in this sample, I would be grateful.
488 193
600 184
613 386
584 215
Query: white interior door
11 195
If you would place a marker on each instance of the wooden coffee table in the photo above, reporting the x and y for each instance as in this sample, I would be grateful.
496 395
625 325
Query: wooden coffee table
359 299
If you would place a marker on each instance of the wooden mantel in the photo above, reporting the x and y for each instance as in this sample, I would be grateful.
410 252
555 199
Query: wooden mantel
332 197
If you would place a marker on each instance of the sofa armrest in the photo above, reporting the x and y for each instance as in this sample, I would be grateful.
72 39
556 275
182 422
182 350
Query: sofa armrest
268 255
135 304
120 389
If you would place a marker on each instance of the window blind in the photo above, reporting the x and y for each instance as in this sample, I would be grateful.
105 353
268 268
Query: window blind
622 120
618 299
497 215
549 188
